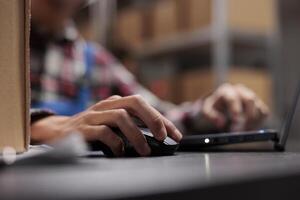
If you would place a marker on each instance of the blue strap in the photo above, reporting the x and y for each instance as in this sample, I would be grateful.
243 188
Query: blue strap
74 106
85 90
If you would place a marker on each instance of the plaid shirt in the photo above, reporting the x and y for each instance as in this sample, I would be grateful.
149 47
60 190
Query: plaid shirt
59 72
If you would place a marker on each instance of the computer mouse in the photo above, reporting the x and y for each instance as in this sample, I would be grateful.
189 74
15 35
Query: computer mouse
158 148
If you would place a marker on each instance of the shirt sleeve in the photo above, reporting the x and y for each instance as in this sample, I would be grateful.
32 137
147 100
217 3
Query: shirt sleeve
38 114
187 116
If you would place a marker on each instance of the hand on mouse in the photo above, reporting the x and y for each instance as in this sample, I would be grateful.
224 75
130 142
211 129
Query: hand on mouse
95 123
237 105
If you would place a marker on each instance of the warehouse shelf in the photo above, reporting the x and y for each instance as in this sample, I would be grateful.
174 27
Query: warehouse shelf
196 39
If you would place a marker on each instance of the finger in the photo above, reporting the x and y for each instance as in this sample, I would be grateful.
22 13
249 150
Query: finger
173 132
232 103
262 109
255 108
121 119
109 99
249 100
138 107
107 136
211 113
114 97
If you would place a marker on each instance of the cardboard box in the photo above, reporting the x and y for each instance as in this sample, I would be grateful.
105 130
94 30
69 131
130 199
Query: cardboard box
200 83
129 28
14 74
164 19
245 15
259 81
194 14
252 15
195 84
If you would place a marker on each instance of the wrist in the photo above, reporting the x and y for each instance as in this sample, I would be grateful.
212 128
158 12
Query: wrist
48 129
196 120
38 114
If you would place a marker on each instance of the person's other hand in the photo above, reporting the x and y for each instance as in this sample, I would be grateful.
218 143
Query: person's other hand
96 122
236 106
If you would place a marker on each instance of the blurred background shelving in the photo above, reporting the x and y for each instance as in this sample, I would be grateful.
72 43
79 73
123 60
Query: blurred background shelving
183 49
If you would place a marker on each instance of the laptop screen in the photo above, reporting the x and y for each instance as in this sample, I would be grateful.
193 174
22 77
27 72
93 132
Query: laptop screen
286 127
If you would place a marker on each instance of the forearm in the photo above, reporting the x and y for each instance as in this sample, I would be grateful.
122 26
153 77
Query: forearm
38 114
187 117
39 133
49 129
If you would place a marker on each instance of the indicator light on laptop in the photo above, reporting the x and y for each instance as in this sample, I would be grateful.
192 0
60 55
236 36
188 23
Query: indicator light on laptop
206 141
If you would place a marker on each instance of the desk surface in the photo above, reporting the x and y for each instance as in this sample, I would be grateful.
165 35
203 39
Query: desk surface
185 174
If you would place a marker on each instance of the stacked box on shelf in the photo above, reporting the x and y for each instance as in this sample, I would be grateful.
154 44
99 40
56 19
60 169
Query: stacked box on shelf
195 84
129 30
252 15
246 15
259 81
200 83
194 14
164 19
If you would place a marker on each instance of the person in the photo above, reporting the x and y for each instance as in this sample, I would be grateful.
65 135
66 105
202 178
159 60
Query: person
91 92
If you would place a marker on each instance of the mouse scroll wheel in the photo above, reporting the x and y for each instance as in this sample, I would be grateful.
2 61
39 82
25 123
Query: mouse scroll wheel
147 132
167 141
170 141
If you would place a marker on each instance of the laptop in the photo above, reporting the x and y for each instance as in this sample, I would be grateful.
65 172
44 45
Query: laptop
278 138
